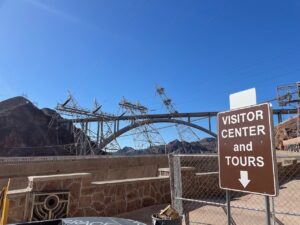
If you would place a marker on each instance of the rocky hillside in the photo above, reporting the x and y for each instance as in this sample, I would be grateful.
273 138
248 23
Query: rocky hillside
284 131
24 130
205 145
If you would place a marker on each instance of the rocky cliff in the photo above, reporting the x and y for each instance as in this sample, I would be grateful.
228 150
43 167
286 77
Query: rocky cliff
205 145
25 131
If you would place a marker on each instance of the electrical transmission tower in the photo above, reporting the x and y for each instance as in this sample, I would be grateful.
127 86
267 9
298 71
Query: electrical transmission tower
290 95
88 138
144 135
185 134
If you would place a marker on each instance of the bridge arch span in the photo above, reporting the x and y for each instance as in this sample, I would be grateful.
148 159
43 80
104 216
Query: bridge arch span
151 121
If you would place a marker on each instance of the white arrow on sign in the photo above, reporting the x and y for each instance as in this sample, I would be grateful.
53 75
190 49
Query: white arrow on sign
244 178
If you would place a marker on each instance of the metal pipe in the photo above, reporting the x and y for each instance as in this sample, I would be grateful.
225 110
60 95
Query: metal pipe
228 207
268 212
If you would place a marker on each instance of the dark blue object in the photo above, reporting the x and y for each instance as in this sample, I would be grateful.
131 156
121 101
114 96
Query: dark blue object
158 221
85 221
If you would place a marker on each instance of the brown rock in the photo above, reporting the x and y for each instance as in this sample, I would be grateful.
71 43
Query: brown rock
130 187
167 187
36 186
107 200
17 213
109 190
86 181
140 191
155 186
120 193
13 203
51 186
74 198
110 210
78 213
72 208
99 206
158 198
147 190
166 198
133 194
121 206
87 190
98 196
74 188
22 124
152 192
22 201
66 183
85 201
133 205
90 212
148 202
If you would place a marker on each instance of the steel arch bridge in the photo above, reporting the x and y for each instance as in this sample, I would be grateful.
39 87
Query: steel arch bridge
152 121
141 120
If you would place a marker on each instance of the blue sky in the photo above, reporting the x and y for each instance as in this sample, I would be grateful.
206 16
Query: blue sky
200 51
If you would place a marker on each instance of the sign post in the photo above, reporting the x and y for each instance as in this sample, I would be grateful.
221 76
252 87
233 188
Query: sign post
228 207
246 149
268 213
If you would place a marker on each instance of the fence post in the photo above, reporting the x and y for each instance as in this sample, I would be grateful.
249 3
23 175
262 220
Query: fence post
273 212
268 213
228 207
175 182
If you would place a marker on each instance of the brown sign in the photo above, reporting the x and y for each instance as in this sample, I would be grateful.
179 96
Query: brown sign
246 152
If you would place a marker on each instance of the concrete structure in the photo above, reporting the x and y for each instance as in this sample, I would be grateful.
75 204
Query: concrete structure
120 185
101 168
86 198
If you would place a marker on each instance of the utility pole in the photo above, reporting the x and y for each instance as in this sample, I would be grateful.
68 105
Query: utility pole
184 133
146 132
86 141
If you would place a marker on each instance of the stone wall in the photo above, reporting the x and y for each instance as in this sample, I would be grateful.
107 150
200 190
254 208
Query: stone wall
203 186
21 210
87 198
116 197
288 170
102 168
17 205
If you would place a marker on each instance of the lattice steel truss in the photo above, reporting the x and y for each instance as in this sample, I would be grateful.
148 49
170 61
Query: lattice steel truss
289 95
88 136
144 136
185 134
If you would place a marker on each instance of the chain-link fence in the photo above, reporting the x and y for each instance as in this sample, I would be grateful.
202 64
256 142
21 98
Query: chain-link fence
196 193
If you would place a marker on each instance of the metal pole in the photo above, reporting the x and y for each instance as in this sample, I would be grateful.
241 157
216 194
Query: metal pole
279 115
273 211
101 132
228 207
98 134
298 120
268 213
